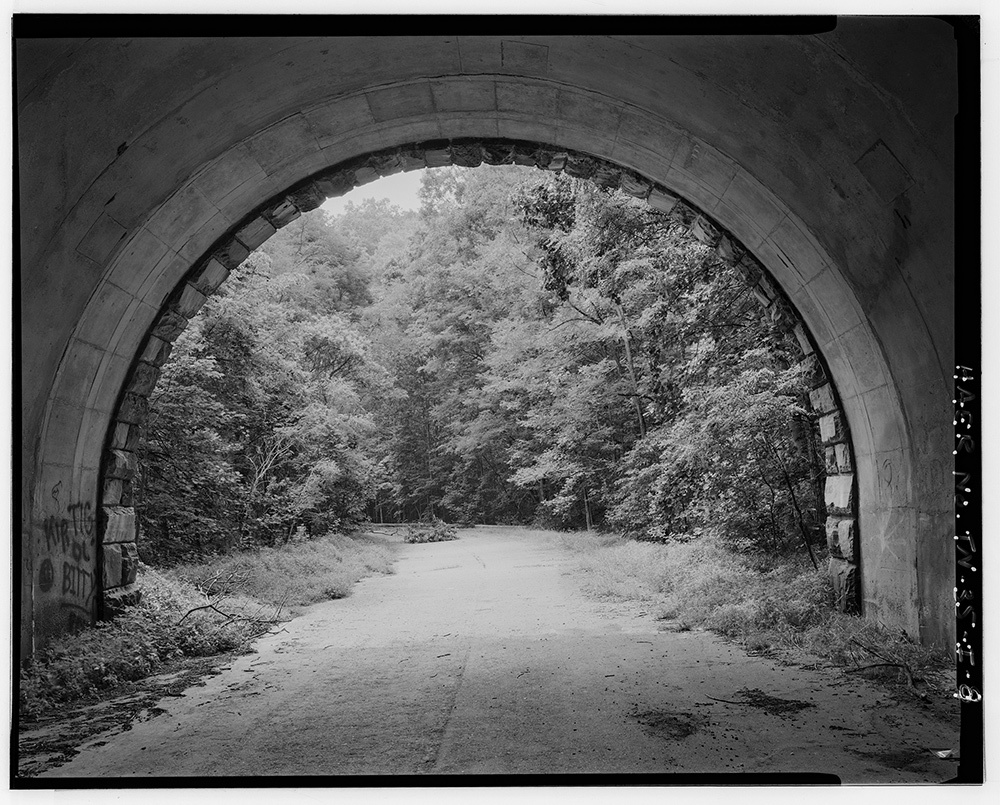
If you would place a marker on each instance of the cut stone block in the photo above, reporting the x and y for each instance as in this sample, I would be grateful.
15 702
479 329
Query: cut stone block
683 214
386 163
365 175
120 464
134 409
437 154
831 428
607 176
232 253
661 201
143 379
115 601
497 152
843 454
830 457
728 250
839 492
412 160
187 301
821 399
749 268
255 233
112 492
307 197
112 566
847 539
466 155
335 183
210 275
556 162
705 231
125 436
283 213
119 524
580 166
169 325
845 578
156 351
803 338
130 562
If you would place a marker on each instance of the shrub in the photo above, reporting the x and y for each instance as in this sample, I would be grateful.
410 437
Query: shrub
435 531
786 607
198 610
165 625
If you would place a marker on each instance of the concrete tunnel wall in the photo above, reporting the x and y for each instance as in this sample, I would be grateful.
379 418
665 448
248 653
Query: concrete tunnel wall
828 156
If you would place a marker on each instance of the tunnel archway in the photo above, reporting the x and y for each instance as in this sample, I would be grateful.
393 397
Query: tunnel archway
851 256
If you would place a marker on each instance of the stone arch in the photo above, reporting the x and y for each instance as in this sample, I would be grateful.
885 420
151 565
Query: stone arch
133 243
117 522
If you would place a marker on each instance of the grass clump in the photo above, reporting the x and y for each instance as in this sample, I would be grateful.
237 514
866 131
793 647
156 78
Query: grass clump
297 574
435 531
784 607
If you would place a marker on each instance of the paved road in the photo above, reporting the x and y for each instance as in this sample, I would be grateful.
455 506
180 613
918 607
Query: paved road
483 656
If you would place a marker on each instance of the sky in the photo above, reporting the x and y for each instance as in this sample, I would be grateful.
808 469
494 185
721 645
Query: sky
400 189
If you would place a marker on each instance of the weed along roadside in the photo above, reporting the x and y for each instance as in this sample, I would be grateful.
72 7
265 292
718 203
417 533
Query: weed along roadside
217 606
487 654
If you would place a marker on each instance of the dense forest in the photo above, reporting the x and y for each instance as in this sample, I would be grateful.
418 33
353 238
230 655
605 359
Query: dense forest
527 349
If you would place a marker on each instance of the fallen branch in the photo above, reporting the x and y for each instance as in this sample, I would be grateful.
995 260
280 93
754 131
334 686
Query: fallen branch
727 701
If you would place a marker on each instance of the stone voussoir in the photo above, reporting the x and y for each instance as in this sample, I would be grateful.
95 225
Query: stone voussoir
130 562
231 253
143 379
335 182
133 409
111 564
437 153
118 524
705 231
125 436
580 166
307 196
821 399
839 493
120 464
210 274
466 154
831 428
729 250
169 325
186 300
255 232
842 453
282 213
661 201
155 351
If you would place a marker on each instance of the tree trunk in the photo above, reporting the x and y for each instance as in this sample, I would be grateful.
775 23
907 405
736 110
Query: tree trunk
630 365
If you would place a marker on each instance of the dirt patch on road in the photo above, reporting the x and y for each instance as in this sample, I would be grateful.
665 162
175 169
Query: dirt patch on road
58 736
669 723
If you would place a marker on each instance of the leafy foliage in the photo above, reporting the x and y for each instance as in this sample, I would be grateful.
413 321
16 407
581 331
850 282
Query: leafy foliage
528 348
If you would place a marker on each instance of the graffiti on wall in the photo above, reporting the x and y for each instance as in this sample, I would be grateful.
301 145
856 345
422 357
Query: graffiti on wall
68 568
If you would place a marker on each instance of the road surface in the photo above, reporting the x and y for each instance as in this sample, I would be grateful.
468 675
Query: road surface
482 655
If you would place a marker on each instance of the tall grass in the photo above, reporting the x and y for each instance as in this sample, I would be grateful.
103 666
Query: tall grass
197 610
294 575
786 607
